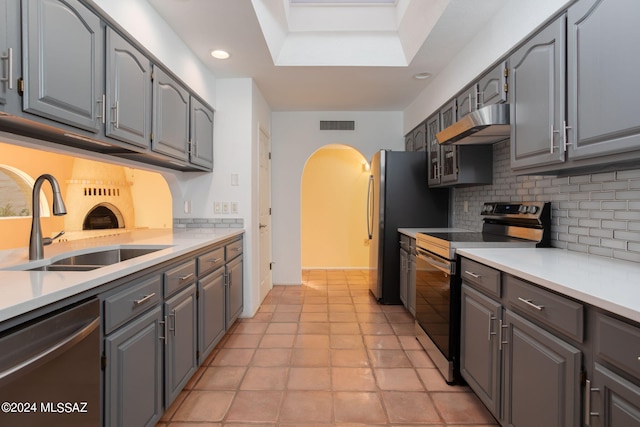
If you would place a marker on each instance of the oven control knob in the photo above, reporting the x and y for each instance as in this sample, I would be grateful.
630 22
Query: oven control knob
487 208
522 209
533 209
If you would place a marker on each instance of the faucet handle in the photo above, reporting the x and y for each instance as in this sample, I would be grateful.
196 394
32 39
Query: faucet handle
49 240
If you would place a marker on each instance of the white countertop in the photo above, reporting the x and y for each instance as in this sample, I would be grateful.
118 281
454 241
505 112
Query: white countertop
411 232
23 291
605 283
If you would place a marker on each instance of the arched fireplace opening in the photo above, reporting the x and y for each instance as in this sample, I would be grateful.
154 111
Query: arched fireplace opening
103 216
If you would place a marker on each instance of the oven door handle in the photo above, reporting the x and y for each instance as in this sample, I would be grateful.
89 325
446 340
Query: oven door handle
443 266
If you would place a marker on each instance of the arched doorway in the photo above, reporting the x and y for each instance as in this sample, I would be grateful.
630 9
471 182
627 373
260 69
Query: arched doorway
333 209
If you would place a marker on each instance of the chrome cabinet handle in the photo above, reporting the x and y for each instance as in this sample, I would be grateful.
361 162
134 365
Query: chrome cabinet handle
587 402
173 314
502 342
102 109
472 274
164 327
116 114
552 131
491 333
214 260
144 299
183 278
565 128
531 304
9 58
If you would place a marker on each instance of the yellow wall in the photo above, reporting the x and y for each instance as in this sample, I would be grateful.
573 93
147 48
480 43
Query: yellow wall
333 220
155 211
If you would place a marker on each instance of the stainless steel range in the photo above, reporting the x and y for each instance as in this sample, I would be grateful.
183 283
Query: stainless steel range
517 225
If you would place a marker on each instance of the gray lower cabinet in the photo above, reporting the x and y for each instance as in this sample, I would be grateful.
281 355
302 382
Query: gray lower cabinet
128 96
211 308
201 132
541 376
526 374
479 346
411 285
404 274
408 273
171 116
63 63
537 86
182 341
235 292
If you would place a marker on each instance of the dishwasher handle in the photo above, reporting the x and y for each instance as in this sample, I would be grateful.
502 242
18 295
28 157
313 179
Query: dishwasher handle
441 264
50 353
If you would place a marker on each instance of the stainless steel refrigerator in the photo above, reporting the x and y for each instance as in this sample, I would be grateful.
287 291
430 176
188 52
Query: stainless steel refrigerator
398 197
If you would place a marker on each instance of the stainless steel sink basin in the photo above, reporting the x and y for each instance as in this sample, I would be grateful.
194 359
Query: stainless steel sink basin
92 260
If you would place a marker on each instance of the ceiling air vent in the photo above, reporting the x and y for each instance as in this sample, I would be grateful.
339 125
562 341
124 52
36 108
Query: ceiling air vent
337 125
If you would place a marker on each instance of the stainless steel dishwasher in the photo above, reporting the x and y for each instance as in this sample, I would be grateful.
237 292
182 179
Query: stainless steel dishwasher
50 370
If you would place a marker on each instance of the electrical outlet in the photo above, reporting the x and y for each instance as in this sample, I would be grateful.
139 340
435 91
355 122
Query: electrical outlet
187 206
225 207
217 207
466 206
234 207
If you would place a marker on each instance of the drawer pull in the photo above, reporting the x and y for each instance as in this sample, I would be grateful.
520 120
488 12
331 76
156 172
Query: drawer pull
183 278
214 260
472 274
587 403
163 322
491 319
531 304
236 249
144 299
501 327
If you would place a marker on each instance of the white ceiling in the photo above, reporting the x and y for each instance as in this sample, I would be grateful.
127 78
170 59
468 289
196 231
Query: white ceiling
329 56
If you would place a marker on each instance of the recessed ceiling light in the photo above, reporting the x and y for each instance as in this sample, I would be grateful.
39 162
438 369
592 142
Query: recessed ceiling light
421 76
220 54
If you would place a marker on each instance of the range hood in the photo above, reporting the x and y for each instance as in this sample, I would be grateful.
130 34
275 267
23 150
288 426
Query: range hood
486 125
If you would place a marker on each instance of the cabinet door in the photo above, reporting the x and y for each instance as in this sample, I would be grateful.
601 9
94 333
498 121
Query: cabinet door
211 312
133 376
9 51
201 152
63 44
404 274
603 86
408 142
170 116
541 377
537 89
419 138
182 342
479 347
433 150
615 401
411 285
467 101
448 155
492 87
128 104
234 290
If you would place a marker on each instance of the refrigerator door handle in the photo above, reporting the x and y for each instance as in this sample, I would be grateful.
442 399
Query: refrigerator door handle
369 208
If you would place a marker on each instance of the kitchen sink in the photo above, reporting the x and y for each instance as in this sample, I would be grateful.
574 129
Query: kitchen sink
92 260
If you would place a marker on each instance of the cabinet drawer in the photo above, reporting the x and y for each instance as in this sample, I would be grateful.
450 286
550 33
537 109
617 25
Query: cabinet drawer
179 277
618 343
134 300
478 274
560 313
233 249
210 261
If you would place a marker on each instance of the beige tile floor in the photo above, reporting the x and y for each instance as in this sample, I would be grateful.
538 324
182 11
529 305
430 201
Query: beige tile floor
323 354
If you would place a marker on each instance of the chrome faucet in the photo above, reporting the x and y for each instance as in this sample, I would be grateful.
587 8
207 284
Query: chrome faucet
36 242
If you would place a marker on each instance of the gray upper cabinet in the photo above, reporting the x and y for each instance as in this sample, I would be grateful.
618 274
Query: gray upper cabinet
128 102
9 51
63 47
467 101
434 162
537 86
603 85
408 142
171 116
419 138
201 151
448 159
492 87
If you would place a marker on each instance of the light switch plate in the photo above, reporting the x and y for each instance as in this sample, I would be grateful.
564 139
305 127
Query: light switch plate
234 207
225 207
217 207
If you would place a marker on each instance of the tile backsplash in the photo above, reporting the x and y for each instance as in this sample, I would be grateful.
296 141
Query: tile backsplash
208 222
595 213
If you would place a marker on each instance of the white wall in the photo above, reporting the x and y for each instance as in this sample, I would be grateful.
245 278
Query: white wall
295 136
515 22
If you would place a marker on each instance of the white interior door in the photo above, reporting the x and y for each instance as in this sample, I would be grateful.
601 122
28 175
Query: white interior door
265 214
